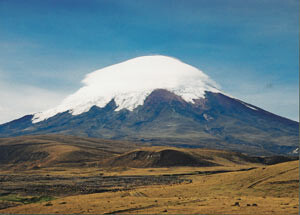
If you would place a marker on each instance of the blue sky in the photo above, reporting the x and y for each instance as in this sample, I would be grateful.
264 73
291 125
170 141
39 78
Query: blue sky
249 47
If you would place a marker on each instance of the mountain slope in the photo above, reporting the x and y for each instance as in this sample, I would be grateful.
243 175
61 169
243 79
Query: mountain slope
217 121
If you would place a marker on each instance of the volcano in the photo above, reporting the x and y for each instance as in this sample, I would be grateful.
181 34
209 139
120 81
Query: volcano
159 100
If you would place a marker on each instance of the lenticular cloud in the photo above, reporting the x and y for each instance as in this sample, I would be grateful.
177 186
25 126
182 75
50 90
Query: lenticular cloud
130 82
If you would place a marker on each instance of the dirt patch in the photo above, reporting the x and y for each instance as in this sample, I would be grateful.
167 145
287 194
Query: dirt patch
62 186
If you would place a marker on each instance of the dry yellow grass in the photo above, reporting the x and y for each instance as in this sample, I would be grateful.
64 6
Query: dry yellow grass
265 190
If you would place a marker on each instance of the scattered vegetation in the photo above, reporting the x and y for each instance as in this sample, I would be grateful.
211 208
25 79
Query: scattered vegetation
147 180
26 200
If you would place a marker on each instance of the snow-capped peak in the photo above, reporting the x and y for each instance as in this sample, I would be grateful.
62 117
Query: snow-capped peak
130 82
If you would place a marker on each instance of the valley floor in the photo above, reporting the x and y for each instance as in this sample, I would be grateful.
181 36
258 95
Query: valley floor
178 190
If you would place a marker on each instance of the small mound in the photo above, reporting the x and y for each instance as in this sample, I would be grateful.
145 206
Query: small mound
160 158
148 157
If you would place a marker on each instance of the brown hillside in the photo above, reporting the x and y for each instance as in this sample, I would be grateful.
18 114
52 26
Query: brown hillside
57 150
39 151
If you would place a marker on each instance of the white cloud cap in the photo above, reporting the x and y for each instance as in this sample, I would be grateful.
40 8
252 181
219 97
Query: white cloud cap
130 82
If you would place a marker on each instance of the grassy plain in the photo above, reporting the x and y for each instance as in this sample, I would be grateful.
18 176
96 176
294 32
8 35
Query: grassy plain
264 190
66 175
